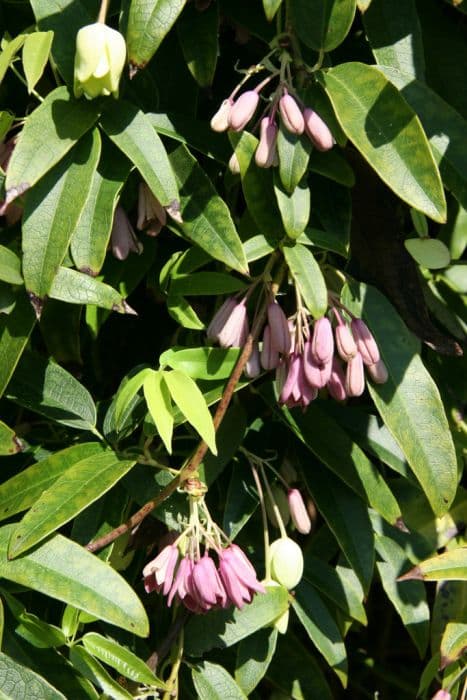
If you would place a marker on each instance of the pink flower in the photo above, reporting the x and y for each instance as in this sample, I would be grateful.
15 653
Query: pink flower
243 109
298 511
229 325
317 130
355 377
441 695
291 381
151 213
269 354
207 584
158 574
238 576
266 153
345 343
336 383
279 326
291 115
322 342
123 239
365 341
253 366
317 374
220 120
182 585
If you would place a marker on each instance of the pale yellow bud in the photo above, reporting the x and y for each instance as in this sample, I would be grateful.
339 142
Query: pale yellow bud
286 561
99 60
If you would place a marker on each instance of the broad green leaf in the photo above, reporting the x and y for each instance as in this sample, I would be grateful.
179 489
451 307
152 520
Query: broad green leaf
308 278
195 133
409 402
198 36
331 583
409 599
257 185
227 627
256 248
324 25
9 52
395 36
453 643
294 208
92 233
23 490
206 218
332 205
205 283
95 672
449 566
148 23
241 499
184 313
450 605
10 266
398 149
201 363
79 486
298 675
36 51
157 397
213 682
56 568
192 404
9 443
333 166
130 130
15 330
75 287
271 7
327 240
254 654
48 134
444 127
294 154
51 214
50 390
121 659
321 628
18 682
126 392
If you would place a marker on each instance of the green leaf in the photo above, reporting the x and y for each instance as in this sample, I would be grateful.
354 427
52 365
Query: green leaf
450 605
79 486
56 568
254 654
449 566
206 218
294 154
130 130
48 134
409 402
201 363
126 392
18 682
226 628
148 23
9 443
271 7
213 682
122 660
409 599
241 499
298 674
92 669
308 278
294 208
50 390
324 26
453 643
51 214
195 133
332 205
9 52
184 313
397 149
36 51
395 36
192 404
321 628
198 36
15 330
39 633
75 287
92 233
23 490
205 283
10 266
157 397
332 166
330 581
444 127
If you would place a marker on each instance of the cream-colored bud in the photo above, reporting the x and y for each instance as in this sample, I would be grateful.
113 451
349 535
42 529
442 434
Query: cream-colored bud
286 561
220 120
99 60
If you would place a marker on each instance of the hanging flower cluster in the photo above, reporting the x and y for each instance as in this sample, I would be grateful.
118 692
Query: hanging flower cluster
202 569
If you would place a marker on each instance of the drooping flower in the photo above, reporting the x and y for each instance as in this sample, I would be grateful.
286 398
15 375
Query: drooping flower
336 382
151 214
355 376
238 576
158 573
229 326
207 584
322 342
243 109
253 365
266 153
365 341
279 327
345 343
291 115
99 61
123 239
298 511
378 372
317 373
220 120
317 130
269 354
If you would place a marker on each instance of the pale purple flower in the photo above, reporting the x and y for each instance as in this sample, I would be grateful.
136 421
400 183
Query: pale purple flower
253 365
220 318
220 120
298 511
378 372
317 130
158 573
243 109
182 586
207 585
322 342
291 115
269 354
229 325
291 382
365 341
355 377
279 328
317 374
238 576
308 393
123 239
151 214
345 343
336 383
266 153
441 695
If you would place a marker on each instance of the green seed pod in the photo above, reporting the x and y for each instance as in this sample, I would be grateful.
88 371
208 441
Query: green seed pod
286 561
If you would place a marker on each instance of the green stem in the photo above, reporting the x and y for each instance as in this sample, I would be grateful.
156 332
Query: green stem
24 81
267 558
275 507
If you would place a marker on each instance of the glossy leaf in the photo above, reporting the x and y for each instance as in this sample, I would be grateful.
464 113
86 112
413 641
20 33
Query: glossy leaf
298 675
332 166
52 212
201 363
127 390
79 486
326 24
206 218
332 584
254 655
77 288
17 682
205 283
192 404
398 150
56 568
23 490
453 643
308 277
92 669
157 397
36 51
9 52
9 443
294 154
48 134
148 23
184 313
10 266
409 402
130 130
198 36
449 566
15 330
213 682
294 208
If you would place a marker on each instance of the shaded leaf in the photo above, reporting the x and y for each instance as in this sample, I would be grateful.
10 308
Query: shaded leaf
92 669
254 655
327 25
198 36
15 330
10 266
9 443
294 208
308 277
213 682
148 23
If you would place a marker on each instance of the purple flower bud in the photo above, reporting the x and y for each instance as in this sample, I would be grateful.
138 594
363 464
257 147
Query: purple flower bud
317 374
355 377
151 213
220 318
158 573
345 343
366 343
269 355
234 165
253 366
298 511
308 393
441 695
123 238
279 326
336 383
291 115
317 130
207 584
238 576
243 109
292 379
220 120
322 342
378 372
235 330
266 152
